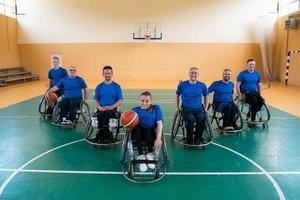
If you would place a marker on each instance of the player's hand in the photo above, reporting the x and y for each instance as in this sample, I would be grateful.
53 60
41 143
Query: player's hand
157 144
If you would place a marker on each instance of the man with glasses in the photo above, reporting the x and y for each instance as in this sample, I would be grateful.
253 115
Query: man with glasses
72 86
223 99
191 92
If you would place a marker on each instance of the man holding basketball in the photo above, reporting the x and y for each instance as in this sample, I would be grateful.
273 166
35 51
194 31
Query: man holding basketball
248 87
108 98
72 86
191 92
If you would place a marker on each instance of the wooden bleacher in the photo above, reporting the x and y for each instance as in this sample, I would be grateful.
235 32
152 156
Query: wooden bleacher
15 74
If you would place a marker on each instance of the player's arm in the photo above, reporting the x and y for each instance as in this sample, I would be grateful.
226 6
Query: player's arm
53 89
177 102
85 94
159 128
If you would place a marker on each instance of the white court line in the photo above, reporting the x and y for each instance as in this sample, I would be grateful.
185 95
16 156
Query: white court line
267 174
167 173
6 182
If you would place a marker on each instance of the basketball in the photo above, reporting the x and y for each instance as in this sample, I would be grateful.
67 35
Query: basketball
129 119
52 97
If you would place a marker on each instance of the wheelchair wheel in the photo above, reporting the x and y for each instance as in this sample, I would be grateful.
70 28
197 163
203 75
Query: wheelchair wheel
238 121
55 114
43 105
177 122
207 135
89 129
85 111
264 114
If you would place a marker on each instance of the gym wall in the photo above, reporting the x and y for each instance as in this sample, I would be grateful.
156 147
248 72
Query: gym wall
209 34
9 55
293 42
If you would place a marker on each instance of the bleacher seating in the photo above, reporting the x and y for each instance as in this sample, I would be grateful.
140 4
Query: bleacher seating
15 74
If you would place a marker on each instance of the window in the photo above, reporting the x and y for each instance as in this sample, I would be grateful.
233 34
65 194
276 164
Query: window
288 6
7 7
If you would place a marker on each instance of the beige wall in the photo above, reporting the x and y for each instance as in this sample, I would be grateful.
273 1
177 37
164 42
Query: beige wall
293 44
143 61
9 55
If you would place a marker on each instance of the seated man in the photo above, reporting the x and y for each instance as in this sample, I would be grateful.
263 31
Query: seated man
55 74
223 99
108 97
72 86
191 92
248 87
149 129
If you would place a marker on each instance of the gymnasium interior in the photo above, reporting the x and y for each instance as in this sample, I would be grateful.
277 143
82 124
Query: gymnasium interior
151 45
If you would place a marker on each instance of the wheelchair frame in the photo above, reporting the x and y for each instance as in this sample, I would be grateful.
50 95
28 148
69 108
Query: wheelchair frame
89 129
217 116
129 162
180 122
83 111
246 117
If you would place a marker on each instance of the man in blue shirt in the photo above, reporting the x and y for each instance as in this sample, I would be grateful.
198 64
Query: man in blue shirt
191 92
223 99
108 97
72 86
248 87
55 74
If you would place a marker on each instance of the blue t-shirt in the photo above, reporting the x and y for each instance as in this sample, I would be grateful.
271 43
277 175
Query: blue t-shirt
222 91
108 94
72 87
56 75
191 94
249 81
147 118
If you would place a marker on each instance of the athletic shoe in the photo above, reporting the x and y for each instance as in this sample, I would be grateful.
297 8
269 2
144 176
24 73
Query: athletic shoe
150 156
143 167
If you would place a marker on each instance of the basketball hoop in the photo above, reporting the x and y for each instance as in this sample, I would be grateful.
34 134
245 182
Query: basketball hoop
147 36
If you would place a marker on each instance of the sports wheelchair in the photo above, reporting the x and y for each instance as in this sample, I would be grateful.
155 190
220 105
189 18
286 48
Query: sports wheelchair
180 137
262 117
130 163
44 107
112 131
83 111
217 116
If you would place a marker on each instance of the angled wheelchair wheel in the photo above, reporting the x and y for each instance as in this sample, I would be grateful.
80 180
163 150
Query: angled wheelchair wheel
85 111
55 114
238 121
264 114
207 135
177 122
43 105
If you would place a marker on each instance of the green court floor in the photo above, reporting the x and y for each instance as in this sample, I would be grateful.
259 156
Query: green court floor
40 161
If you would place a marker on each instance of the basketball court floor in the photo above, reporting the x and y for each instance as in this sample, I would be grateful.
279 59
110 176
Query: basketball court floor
41 161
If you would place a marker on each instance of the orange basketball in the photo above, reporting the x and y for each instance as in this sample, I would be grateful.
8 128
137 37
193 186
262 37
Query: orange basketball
129 119
52 97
